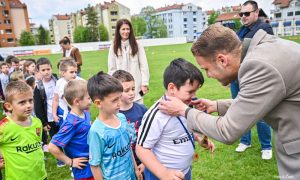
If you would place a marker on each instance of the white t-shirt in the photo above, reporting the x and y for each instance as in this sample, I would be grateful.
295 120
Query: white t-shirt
167 139
59 89
49 89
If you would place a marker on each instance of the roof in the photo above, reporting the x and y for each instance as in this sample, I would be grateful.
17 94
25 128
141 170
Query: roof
282 3
228 16
166 8
62 17
106 4
16 4
209 12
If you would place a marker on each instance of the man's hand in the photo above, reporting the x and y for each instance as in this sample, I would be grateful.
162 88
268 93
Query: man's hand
172 106
205 143
172 174
79 162
205 105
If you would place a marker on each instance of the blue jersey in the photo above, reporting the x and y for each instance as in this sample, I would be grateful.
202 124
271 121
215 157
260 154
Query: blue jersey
134 117
72 137
110 149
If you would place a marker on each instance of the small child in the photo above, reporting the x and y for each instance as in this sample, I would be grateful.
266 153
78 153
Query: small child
133 112
72 135
68 71
165 146
43 97
21 135
109 137
4 77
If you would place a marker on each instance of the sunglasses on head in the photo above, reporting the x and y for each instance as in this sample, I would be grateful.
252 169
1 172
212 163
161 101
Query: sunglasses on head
241 14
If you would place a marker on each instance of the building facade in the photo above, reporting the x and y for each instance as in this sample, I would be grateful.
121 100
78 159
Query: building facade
183 20
13 20
111 12
59 27
286 17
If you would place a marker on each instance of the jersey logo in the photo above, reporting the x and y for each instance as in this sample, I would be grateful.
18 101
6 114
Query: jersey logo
12 139
38 131
110 146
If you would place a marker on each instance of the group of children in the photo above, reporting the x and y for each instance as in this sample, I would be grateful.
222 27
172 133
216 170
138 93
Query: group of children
126 141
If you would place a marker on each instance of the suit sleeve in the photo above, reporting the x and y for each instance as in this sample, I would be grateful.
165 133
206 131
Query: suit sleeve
144 68
261 89
112 66
39 108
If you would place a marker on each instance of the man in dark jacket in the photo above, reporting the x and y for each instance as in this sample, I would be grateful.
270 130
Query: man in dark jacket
251 24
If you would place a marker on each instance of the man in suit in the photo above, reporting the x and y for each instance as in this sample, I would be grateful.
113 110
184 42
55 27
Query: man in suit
268 72
251 24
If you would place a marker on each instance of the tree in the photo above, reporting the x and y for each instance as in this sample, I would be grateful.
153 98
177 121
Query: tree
237 24
139 25
26 39
43 36
103 33
212 18
92 23
81 34
155 26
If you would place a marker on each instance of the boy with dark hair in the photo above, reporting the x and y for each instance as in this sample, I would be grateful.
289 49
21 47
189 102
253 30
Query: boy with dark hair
21 135
133 112
72 135
165 145
43 97
109 137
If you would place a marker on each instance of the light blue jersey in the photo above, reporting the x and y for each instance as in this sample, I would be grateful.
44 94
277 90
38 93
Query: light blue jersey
110 148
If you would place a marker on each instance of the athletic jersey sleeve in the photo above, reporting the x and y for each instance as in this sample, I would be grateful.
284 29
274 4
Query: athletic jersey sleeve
96 148
152 126
64 135
130 127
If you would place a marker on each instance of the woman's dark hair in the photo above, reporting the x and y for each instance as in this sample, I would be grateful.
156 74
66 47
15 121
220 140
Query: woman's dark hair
118 38
65 40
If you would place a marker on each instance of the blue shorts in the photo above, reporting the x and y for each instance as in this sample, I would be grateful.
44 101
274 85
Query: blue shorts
150 176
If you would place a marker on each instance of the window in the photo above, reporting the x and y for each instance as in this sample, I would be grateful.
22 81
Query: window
194 19
278 15
113 27
185 32
2 3
10 40
1 31
297 13
185 25
184 19
290 14
5 13
113 20
113 12
194 13
8 31
3 40
6 21
195 31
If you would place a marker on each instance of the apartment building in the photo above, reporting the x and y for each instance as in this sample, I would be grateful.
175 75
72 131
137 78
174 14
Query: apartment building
183 20
111 12
13 20
286 17
60 26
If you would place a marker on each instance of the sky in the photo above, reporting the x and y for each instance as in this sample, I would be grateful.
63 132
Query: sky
40 11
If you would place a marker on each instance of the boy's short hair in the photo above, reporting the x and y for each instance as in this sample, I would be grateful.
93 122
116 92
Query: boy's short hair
42 61
179 71
102 84
16 87
9 58
123 76
75 89
16 76
64 64
3 64
15 60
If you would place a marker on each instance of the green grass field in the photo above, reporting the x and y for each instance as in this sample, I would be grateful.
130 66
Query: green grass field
224 163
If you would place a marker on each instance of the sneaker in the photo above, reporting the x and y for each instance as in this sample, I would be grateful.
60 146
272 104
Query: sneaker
60 163
266 154
45 148
242 147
